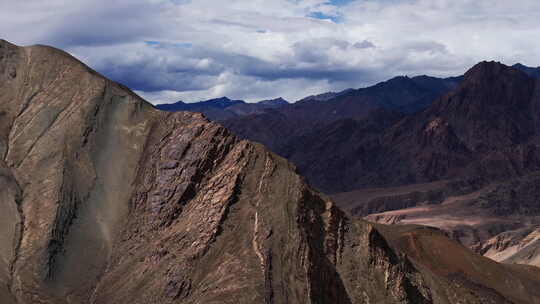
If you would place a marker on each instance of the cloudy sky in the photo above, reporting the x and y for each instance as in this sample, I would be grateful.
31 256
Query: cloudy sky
189 50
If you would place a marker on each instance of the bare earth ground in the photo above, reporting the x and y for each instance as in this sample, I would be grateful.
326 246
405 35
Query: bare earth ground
510 238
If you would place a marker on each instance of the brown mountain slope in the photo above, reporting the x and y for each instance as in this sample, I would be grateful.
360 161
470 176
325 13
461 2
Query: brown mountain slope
498 220
484 137
106 200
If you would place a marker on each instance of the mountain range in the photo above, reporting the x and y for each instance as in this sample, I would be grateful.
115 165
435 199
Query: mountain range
386 152
224 108
106 199
322 137
474 144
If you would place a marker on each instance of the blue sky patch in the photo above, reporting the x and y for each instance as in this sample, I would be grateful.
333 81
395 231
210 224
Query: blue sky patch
339 2
323 16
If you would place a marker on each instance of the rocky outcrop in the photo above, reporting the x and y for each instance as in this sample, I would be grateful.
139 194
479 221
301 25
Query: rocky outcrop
106 200
517 246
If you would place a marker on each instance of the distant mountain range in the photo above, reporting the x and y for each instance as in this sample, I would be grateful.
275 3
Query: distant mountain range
224 108
300 131
458 144
352 119
324 96
217 103
402 94
533 72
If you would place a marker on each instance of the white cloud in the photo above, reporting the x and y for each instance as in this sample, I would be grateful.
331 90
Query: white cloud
256 49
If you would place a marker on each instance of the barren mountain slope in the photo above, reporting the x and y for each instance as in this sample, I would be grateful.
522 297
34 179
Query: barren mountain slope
467 164
106 200
499 220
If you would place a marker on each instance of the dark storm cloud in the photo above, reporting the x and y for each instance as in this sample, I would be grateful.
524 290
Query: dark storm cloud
180 49
366 44
270 71
194 68
169 67
119 22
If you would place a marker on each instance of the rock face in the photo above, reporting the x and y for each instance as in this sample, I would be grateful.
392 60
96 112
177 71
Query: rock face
520 246
106 200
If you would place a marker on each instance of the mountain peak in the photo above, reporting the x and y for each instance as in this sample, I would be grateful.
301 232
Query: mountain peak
172 107
489 73
274 102
398 80
531 71
492 107
489 68
4 43
221 102
224 98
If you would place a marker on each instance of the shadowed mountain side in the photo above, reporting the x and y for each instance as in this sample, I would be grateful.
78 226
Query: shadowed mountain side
309 133
300 131
112 201
224 108
438 167
533 72
305 128
486 130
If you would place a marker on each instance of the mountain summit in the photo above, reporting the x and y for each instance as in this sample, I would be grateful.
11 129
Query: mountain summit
274 102
533 72
219 103
224 108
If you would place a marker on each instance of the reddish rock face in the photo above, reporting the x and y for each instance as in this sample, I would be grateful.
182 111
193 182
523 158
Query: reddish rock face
106 200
